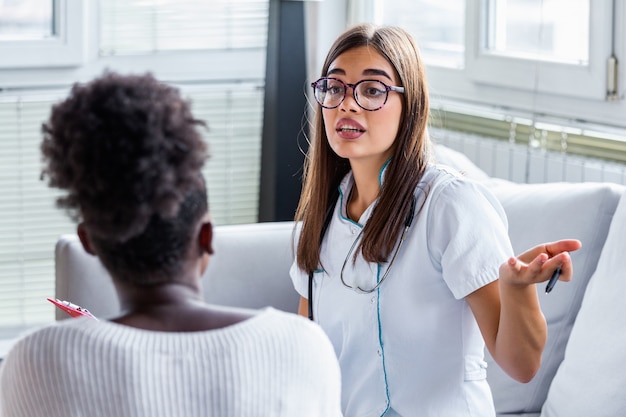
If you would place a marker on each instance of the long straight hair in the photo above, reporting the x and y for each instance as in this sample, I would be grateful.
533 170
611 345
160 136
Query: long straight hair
324 169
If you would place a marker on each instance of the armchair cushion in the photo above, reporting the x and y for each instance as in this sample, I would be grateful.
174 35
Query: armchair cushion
591 379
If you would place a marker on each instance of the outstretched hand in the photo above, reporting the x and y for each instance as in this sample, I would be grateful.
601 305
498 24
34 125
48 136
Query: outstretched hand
539 263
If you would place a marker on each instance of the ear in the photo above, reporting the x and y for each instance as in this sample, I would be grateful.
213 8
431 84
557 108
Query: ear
83 235
206 237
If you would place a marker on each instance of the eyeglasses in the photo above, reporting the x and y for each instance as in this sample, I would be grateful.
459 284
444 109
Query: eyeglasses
369 94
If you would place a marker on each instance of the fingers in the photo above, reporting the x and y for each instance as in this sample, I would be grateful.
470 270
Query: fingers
543 267
512 270
517 272
563 261
565 245
538 264
551 249
514 265
539 269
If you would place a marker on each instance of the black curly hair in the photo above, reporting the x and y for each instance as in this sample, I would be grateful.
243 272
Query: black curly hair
129 154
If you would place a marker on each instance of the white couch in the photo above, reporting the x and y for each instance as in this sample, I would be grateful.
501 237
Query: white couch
582 372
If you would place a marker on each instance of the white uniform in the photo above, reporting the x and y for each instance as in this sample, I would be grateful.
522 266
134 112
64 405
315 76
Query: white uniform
412 347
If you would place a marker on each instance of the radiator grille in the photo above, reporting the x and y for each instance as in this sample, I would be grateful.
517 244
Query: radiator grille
524 163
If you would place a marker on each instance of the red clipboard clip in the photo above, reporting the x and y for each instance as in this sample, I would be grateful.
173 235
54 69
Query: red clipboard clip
71 309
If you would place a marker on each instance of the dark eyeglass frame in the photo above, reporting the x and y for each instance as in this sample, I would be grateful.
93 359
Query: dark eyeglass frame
388 88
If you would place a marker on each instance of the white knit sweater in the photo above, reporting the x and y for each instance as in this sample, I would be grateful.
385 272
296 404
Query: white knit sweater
274 364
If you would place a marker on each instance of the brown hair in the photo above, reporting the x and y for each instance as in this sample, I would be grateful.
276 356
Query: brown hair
323 169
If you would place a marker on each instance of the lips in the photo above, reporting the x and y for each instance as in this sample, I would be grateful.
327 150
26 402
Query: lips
349 126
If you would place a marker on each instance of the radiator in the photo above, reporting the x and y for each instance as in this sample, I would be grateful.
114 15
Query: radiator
524 164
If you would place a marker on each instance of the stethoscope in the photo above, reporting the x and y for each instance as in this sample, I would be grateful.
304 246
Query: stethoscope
407 224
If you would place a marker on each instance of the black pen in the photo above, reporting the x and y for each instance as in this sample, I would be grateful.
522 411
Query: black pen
553 280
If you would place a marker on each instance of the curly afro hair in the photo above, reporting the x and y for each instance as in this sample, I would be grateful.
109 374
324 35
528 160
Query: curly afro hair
129 154
125 148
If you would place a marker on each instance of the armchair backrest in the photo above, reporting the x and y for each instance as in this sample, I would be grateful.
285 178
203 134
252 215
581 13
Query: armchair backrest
250 268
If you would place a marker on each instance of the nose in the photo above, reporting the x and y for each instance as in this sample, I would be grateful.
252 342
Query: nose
349 102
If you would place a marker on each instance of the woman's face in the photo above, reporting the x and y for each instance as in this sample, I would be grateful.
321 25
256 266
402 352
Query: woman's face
353 132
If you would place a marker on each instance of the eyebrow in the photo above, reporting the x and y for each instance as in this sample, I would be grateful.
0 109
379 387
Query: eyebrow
368 71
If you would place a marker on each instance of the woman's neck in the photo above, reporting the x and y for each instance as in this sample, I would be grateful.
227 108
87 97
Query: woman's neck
133 297
172 307
364 192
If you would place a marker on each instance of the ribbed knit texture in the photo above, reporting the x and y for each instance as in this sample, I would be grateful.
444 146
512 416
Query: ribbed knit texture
274 364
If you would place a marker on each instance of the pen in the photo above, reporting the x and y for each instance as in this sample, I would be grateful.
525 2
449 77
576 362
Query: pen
71 309
553 280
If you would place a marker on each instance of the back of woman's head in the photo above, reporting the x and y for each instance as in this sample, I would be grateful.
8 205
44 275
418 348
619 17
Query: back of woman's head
128 152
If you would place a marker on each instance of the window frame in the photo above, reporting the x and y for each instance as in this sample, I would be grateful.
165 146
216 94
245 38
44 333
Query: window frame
474 85
545 77
66 49
192 66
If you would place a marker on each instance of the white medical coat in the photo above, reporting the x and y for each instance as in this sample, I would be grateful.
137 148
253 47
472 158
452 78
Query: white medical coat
412 347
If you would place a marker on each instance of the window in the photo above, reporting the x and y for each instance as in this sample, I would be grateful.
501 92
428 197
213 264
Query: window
234 114
222 72
140 27
532 43
544 58
538 30
439 26
29 221
41 33
26 20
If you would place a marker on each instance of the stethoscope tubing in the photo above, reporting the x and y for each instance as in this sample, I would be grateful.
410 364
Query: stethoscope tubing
358 289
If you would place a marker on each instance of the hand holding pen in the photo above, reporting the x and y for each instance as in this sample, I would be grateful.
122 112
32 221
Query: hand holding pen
547 262
71 309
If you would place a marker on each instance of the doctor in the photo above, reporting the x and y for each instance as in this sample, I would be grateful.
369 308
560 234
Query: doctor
407 265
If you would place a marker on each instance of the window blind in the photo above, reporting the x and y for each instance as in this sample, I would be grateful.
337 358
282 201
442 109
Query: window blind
30 223
149 26
234 116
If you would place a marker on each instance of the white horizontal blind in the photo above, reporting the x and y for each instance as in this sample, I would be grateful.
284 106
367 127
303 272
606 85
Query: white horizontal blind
234 117
29 220
234 112
148 26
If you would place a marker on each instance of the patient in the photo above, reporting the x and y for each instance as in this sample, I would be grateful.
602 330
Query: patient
128 153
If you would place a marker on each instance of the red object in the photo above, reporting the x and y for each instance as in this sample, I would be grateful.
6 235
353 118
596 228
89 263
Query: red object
71 309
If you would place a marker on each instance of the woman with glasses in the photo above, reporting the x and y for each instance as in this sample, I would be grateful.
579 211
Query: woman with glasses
405 264
128 153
